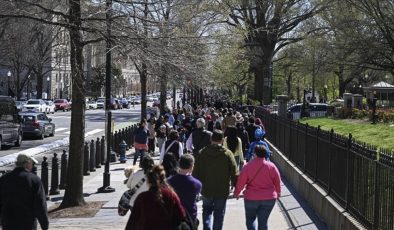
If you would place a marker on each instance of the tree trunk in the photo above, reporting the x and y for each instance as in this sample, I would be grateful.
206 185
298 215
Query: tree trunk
39 85
263 82
143 79
163 92
289 79
74 190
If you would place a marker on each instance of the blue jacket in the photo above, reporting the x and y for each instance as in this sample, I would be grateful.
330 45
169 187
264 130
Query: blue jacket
252 145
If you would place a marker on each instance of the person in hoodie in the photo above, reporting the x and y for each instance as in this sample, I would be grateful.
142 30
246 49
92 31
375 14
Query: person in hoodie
215 167
259 135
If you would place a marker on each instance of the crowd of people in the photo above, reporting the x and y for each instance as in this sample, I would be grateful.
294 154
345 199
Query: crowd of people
205 153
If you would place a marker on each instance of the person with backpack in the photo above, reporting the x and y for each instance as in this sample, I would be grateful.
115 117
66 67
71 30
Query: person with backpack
172 145
187 187
199 138
140 140
259 136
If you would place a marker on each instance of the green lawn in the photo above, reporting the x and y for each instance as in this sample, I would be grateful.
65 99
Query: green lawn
380 135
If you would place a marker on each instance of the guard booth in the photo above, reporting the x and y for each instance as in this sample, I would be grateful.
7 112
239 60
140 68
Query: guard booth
383 91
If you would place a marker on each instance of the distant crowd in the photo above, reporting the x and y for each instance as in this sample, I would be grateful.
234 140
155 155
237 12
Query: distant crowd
207 153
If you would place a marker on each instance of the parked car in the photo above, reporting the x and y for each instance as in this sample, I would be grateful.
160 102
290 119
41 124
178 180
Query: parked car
156 103
10 128
19 105
125 103
35 105
115 104
91 104
312 110
137 100
37 124
62 104
100 103
50 107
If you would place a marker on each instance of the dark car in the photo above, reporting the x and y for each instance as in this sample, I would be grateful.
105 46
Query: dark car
62 104
37 124
10 128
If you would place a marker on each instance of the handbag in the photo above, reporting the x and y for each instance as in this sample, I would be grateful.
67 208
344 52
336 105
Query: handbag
124 202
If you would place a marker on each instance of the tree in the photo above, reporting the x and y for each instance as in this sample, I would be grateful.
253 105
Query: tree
97 82
268 26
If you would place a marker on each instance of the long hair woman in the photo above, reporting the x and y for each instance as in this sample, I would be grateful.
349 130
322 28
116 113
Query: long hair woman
234 144
157 208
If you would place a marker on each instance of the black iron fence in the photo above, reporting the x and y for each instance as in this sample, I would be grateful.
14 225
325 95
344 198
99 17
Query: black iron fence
359 176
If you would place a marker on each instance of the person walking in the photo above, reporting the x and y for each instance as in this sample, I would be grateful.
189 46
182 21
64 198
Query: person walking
199 138
261 180
172 145
157 208
140 141
234 144
215 167
152 135
22 197
186 186
137 179
259 135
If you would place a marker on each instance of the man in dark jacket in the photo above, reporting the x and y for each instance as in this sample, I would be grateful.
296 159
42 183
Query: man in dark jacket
215 167
251 128
199 138
22 197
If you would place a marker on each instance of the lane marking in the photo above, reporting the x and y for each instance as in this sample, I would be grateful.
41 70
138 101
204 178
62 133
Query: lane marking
60 129
93 132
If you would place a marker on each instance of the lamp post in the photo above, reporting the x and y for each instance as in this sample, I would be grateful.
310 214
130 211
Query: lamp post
106 188
61 88
374 100
48 87
8 83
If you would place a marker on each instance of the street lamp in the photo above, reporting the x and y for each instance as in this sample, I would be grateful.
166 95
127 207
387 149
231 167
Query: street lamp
48 87
8 83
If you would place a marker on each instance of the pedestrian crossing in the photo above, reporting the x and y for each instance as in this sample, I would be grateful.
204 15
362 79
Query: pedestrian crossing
66 131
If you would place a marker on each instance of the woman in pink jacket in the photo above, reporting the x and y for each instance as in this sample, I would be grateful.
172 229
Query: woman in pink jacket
262 181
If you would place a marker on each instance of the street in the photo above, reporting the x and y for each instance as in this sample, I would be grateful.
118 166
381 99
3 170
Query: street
94 126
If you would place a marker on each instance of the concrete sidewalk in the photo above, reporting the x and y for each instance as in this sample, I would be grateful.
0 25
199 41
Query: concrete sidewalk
289 213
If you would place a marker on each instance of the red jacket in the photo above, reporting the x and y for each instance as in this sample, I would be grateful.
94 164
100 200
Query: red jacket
150 214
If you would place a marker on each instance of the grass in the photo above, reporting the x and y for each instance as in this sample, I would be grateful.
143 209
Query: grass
380 135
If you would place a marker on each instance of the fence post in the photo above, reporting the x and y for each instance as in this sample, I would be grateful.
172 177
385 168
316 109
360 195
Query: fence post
103 155
348 179
98 153
55 176
63 170
377 197
86 160
44 176
306 146
132 135
92 157
317 152
330 160
115 143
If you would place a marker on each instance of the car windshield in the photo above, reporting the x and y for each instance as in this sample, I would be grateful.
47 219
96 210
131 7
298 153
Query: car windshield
47 102
59 101
33 102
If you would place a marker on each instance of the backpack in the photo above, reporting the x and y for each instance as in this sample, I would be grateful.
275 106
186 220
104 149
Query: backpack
141 136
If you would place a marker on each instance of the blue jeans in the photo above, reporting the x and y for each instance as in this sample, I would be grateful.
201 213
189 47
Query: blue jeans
218 207
260 209
138 153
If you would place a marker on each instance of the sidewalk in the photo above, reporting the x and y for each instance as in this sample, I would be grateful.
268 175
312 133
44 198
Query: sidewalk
289 213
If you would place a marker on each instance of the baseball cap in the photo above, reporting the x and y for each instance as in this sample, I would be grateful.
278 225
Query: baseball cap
23 158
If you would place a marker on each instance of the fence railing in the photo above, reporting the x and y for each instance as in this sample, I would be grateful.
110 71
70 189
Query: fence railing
359 176
94 157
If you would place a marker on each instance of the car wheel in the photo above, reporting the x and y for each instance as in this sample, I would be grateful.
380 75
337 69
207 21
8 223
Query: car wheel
1 144
64 110
53 133
19 141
